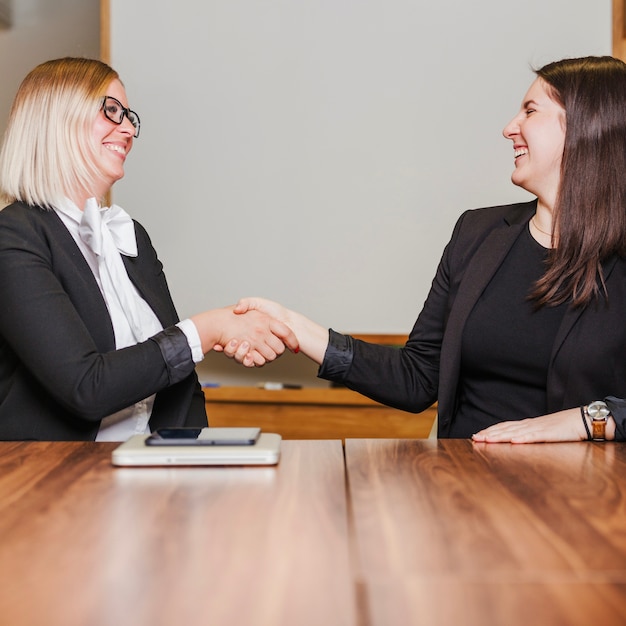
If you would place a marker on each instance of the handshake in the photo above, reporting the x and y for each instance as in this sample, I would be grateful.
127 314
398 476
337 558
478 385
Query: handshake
256 331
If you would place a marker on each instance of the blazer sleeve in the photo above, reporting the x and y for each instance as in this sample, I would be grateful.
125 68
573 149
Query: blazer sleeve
54 323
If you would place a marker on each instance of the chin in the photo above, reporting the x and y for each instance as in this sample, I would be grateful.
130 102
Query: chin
115 177
517 180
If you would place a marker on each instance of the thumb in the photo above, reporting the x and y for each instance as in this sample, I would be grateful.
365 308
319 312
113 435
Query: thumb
244 305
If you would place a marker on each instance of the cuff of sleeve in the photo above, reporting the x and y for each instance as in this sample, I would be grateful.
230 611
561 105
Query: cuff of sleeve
618 411
193 339
337 358
176 353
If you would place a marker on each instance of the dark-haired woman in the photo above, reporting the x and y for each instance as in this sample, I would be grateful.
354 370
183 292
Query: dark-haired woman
523 335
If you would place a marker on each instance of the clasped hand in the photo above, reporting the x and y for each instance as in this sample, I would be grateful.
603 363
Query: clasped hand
255 338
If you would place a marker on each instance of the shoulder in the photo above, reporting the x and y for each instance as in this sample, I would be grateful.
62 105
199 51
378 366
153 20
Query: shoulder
20 212
22 218
141 233
146 252
477 225
144 243
495 216
27 231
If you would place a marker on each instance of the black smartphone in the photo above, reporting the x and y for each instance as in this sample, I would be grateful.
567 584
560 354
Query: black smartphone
241 436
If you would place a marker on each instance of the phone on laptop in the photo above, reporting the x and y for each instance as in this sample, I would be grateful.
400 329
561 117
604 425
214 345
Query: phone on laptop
185 436
135 453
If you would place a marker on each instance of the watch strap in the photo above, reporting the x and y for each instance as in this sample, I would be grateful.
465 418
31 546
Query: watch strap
583 414
598 429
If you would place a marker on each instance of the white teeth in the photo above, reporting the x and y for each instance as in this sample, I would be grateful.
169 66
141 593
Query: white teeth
520 152
115 148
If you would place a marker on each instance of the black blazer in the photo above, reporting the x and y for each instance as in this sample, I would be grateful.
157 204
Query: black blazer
588 359
60 373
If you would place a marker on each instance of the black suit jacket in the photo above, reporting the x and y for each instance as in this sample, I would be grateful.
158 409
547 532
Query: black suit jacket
588 360
60 373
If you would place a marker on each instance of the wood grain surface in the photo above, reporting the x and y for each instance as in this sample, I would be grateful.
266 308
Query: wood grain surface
83 543
450 532
404 532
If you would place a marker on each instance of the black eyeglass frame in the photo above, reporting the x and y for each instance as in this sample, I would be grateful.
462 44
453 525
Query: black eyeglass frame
125 113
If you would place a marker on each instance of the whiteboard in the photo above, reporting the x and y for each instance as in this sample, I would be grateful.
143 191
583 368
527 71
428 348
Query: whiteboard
318 152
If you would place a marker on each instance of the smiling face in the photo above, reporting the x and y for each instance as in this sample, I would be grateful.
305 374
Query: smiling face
538 135
113 141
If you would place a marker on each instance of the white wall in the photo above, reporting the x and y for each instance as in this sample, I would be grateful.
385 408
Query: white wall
43 30
313 151
319 151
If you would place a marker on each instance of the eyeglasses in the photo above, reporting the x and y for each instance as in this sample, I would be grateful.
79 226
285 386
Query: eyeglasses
115 111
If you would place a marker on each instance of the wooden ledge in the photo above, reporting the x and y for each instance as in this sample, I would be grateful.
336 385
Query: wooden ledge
313 413
307 395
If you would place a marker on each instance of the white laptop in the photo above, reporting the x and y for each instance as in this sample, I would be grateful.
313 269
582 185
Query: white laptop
136 453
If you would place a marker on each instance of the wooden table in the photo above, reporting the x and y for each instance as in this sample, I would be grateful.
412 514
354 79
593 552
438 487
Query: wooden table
435 533
450 532
86 544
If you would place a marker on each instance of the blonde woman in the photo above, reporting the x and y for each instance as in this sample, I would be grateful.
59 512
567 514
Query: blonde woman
91 347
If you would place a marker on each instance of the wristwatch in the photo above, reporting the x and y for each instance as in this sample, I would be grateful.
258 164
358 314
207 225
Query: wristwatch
598 412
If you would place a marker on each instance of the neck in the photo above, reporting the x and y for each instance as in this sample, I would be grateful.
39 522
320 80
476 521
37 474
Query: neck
541 226
100 192
535 223
543 215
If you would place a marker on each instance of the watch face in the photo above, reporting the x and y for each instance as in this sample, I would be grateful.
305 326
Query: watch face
598 410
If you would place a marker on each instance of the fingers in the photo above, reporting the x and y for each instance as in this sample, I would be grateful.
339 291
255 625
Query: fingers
504 432
256 338
229 349
285 334
534 430
248 356
252 358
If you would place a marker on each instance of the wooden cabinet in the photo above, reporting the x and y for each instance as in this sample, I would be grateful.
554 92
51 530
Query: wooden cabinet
313 413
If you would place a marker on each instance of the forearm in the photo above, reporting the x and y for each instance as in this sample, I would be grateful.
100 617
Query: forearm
102 383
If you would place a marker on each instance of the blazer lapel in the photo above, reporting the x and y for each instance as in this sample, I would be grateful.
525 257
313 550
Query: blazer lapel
572 315
150 288
555 390
93 307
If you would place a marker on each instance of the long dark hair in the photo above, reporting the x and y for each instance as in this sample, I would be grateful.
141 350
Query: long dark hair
590 212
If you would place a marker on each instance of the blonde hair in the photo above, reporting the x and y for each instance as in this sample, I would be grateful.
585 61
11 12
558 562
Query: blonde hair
48 150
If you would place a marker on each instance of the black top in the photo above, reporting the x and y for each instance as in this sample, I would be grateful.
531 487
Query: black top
587 354
507 344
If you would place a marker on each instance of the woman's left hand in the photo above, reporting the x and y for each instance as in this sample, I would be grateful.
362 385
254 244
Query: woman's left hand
562 426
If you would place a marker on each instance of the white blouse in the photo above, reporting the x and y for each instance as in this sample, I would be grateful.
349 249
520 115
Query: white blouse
102 235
